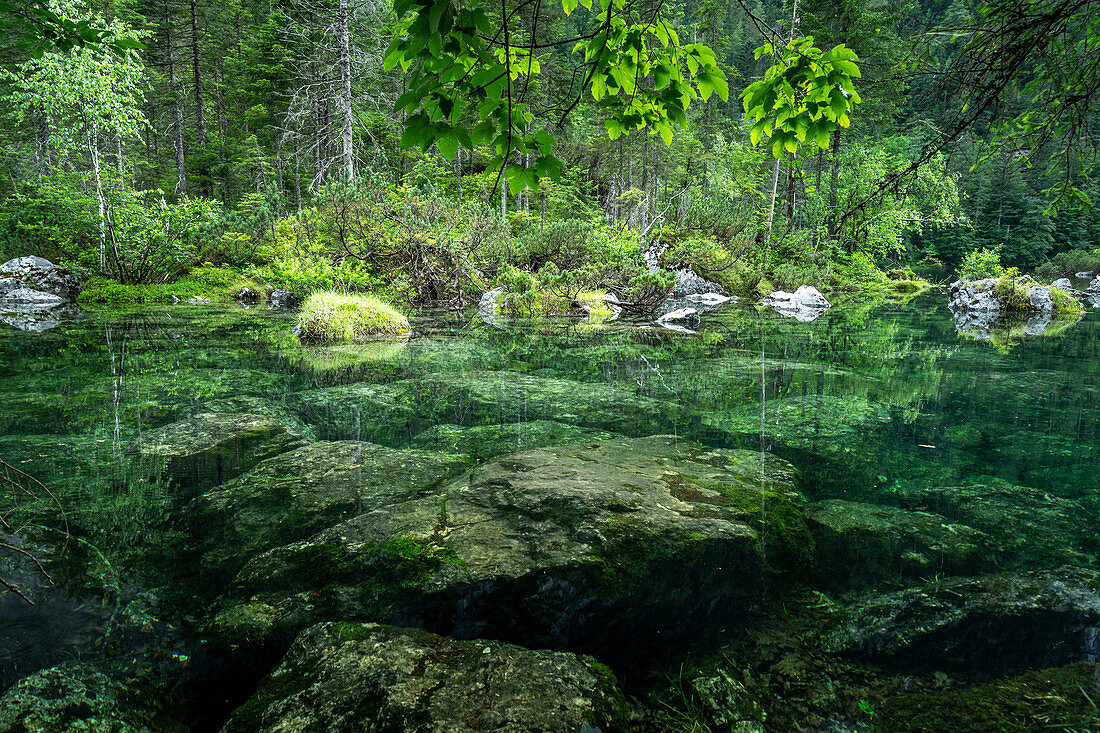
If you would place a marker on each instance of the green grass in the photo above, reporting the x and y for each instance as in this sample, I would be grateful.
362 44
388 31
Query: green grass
215 283
331 317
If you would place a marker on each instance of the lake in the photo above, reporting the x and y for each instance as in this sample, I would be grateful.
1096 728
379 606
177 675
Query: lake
865 522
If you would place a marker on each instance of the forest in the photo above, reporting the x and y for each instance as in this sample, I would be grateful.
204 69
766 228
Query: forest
429 150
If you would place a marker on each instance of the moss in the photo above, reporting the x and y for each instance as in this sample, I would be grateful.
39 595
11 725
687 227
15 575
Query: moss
214 283
1064 302
328 316
1047 699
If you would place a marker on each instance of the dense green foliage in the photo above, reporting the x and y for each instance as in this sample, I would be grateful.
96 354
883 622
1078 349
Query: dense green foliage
430 150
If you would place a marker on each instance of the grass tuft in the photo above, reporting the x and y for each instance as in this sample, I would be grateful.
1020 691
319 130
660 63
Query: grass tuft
330 317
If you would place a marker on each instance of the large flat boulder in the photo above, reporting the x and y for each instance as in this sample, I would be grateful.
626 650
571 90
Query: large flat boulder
209 448
488 441
294 495
393 413
345 677
588 546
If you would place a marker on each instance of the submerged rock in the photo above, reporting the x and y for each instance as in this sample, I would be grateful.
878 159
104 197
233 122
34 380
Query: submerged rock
488 441
38 318
681 317
391 414
1003 622
357 677
76 698
1030 525
282 298
210 448
863 544
804 304
296 494
589 546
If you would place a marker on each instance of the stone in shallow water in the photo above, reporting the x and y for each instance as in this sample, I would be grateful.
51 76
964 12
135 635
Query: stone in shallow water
391 414
358 677
589 545
863 544
76 698
1030 526
488 441
296 494
210 448
993 623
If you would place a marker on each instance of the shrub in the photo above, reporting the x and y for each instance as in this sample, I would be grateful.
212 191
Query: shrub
328 316
981 263
1066 264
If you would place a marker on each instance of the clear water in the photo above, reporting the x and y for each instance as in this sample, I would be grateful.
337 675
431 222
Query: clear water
865 402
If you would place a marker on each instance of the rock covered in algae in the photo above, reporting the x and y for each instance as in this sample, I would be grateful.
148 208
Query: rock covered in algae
488 441
1030 525
296 494
76 698
863 543
355 677
394 412
585 545
1018 620
209 448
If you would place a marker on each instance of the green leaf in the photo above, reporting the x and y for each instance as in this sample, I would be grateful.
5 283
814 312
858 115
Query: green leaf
448 145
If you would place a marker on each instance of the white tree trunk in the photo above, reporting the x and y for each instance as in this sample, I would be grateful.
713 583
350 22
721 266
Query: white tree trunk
345 91
93 151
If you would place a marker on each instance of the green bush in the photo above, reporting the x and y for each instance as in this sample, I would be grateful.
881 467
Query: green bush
329 316
1066 264
981 263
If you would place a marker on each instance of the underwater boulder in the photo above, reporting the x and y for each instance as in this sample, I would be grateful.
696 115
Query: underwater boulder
76 697
379 413
593 546
294 495
482 442
804 304
209 448
862 544
991 624
1031 526
356 677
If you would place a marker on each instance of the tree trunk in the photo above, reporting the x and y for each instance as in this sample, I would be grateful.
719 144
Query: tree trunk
101 200
775 168
345 91
177 116
200 111
834 188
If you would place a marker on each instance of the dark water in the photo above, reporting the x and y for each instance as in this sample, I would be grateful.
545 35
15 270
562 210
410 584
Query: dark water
869 403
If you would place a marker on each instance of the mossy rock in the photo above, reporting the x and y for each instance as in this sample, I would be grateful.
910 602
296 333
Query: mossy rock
328 317
354 677
586 546
296 494
209 448
862 544
77 698
1060 698
482 442
1004 622
388 414
1032 527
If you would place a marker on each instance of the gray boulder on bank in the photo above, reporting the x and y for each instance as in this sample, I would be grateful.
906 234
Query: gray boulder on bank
344 677
35 294
1063 283
804 304
38 274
